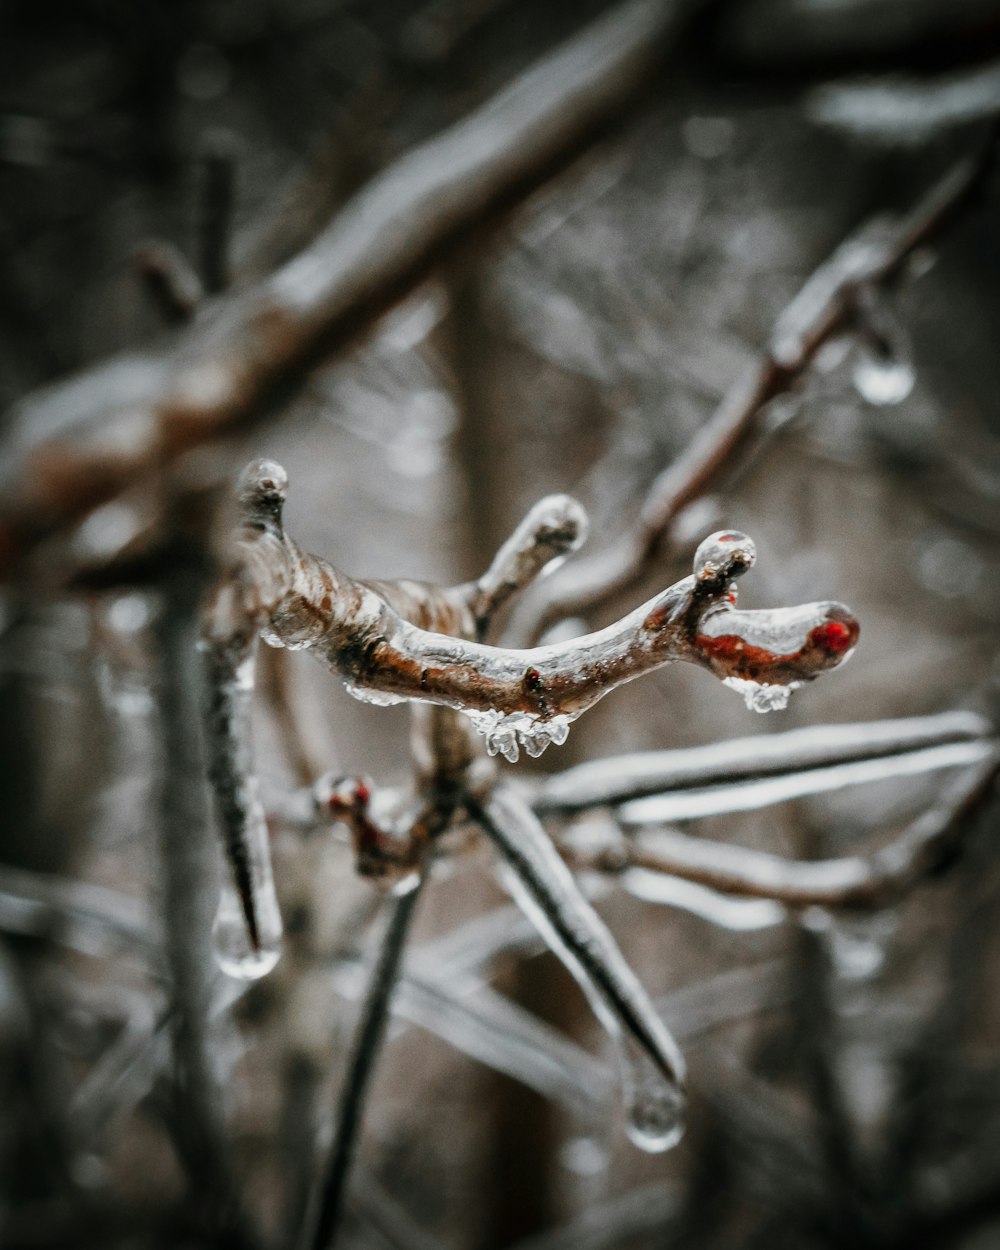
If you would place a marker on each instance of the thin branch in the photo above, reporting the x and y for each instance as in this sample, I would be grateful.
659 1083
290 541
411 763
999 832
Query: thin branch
555 527
653 1065
215 209
75 445
622 778
496 1032
824 307
924 848
332 1186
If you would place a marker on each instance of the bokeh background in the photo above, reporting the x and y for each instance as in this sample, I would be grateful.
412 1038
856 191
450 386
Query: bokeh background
845 1074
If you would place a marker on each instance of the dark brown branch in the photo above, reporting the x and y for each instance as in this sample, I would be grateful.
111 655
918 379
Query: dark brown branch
925 847
75 445
825 306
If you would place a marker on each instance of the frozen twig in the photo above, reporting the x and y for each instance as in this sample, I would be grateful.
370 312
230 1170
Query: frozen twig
652 1065
553 528
75 445
371 1029
825 306
623 778
924 847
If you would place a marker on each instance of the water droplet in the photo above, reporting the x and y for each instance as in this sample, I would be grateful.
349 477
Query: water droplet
377 698
233 951
654 1106
761 698
724 555
883 381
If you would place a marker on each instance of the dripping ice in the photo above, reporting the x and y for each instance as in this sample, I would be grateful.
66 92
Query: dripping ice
881 380
761 698
507 732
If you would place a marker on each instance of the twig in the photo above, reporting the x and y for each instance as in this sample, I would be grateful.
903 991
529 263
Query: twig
826 305
361 1065
555 905
73 446
622 778
924 848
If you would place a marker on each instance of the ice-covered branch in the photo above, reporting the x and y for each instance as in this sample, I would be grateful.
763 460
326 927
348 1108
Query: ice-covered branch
924 847
652 1065
825 306
554 527
622 779
399 640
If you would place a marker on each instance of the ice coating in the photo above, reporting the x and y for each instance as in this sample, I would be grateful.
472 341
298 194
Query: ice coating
375 697
775 647
724 555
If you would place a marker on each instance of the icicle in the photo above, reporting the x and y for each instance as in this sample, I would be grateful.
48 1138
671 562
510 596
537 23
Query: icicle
375 697
761 698
505 734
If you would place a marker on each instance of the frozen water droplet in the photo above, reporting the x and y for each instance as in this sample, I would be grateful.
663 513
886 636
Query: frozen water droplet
377 698
761 698
883 380
654 1106
725 555
233 951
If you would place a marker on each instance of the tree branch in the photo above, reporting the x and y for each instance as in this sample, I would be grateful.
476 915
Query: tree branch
76 444
622 778
925 847
652 1064
825 306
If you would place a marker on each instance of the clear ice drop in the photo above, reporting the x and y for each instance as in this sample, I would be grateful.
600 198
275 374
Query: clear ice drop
654 1106
234 952
883 381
